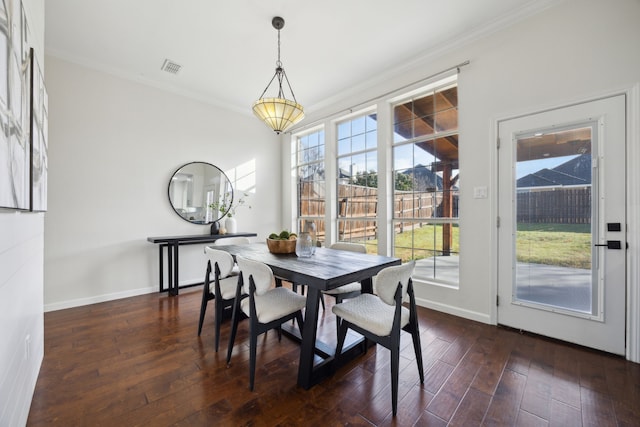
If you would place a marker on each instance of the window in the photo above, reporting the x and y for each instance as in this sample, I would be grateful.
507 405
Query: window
357 181
425 173
426 184
309 161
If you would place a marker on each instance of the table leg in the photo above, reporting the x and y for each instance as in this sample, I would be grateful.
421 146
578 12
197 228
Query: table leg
367 285
307 350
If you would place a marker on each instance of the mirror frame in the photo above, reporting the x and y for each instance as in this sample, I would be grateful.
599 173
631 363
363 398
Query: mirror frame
225 187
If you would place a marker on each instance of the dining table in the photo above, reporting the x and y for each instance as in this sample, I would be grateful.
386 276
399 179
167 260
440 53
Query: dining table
326 269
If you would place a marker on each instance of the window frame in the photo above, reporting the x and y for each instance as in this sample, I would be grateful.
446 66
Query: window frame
344 222
318 219
385 216
419 221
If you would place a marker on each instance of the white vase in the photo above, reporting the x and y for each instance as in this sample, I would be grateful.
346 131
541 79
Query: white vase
231 225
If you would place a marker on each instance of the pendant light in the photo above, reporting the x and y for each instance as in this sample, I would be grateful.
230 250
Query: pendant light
279 113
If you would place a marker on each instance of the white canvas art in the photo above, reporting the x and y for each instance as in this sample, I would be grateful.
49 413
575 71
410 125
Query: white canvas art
39 160
15 158
19 162
15 152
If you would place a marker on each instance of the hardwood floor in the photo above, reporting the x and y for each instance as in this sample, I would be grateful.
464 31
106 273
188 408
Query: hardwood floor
138 361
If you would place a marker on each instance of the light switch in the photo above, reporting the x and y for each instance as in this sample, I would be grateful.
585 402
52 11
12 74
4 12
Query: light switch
479 192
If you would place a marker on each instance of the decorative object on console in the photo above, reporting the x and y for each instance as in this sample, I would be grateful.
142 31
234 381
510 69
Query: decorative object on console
231 224
279 113
215 228
228 206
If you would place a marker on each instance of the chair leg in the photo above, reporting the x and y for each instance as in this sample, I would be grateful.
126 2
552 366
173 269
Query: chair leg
300 322
395 365
415 334
219 313
234 329
338 301
203 308
252 358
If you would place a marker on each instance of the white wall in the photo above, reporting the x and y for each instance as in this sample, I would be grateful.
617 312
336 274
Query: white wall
114 147
21 283
573 51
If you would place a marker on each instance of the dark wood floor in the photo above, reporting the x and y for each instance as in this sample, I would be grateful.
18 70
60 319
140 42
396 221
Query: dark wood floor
138 361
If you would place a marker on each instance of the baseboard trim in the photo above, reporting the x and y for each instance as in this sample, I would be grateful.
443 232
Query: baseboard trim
456 311
98 298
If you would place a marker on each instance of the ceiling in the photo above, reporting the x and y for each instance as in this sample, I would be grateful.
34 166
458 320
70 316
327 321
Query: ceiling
228 49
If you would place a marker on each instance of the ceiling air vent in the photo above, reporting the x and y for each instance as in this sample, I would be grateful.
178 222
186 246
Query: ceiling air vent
170 67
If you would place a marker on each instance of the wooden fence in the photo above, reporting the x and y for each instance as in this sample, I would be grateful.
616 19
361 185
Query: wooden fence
356 201
558 206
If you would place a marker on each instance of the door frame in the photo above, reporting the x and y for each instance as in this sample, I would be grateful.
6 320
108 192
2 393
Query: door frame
632 118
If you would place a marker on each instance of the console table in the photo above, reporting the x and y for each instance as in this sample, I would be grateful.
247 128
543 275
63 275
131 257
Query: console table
173 243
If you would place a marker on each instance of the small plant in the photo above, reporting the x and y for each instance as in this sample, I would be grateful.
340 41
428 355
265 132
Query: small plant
223 206
283 235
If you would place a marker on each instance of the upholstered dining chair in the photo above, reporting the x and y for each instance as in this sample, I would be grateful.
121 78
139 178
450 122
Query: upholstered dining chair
241 240
222 289
266 307
237 240
352 289
381 317
349 290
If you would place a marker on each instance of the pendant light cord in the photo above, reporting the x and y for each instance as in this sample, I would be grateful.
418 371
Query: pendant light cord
278 62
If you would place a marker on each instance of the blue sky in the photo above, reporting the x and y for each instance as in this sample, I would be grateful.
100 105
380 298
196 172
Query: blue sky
525 168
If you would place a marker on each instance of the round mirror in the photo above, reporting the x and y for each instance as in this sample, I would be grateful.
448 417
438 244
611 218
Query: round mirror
200 193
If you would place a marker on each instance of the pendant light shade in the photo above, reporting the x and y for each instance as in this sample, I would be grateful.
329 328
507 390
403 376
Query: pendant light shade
279 113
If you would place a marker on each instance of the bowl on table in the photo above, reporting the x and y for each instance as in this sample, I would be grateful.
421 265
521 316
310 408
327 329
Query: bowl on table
281 246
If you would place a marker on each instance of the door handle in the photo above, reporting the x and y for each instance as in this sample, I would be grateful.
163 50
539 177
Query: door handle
611 244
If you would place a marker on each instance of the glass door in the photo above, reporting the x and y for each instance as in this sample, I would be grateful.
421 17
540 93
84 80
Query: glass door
561 269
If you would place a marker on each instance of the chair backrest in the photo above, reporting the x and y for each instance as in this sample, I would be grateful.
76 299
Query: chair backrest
388 279
261 273
353 247
223 258
239 240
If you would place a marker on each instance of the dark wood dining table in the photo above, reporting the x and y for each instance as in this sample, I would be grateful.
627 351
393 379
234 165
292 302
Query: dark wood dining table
326 269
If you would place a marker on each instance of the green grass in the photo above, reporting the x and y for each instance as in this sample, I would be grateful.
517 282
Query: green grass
563 245
561 228
423 238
